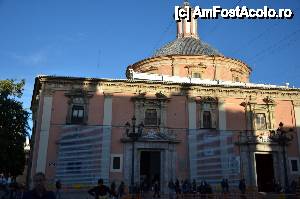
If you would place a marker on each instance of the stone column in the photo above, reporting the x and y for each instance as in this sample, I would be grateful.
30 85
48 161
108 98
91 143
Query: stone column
106 139
192 137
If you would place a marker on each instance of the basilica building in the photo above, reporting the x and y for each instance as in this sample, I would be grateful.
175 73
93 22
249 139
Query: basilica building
194 109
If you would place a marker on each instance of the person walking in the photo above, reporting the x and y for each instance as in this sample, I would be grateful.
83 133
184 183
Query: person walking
242 186
223 185
101 191
177 188
39 191
156 189
171 187
20 191
113 191
58 188
194 186
226 186
121 190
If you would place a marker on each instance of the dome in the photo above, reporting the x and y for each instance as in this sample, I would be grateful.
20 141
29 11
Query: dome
186 46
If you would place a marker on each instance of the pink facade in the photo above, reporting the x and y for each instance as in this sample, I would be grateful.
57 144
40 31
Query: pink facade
203 120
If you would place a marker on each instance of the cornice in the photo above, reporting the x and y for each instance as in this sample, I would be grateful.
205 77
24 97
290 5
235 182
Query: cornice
167 88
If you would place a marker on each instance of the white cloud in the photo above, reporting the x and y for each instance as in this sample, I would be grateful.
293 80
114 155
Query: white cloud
35 58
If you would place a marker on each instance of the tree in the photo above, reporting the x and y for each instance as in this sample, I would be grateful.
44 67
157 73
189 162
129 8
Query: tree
13 128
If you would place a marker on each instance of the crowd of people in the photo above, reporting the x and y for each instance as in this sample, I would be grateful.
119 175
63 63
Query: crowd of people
176 189
13 190
103 192
10 189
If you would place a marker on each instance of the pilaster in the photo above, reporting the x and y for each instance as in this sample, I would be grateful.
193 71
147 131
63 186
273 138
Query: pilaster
297 118
192 137
44 133
106 139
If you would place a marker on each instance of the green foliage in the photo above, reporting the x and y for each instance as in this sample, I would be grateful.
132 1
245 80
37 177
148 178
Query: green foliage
11 88
13 128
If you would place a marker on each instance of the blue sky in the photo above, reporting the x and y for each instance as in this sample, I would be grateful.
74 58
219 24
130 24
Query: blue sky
97 38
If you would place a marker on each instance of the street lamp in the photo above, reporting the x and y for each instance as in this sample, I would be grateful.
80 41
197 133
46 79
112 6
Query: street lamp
283 139
134 136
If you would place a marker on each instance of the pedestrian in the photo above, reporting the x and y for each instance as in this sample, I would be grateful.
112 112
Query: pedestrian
242 186
121 190
156 189
3 191
142 187
194 186
11 192
226 186
177 188
58 188
223 185
2 180
171 187
293 186
39 191
207 188
101 191
113 191
20 191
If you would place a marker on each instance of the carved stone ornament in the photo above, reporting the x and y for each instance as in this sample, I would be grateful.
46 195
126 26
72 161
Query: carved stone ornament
160 95
268 100
296 103
208 99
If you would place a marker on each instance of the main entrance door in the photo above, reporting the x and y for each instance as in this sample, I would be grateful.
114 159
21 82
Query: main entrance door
264 172
150 167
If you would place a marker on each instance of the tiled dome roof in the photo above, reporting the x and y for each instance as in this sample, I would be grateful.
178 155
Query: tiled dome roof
186 46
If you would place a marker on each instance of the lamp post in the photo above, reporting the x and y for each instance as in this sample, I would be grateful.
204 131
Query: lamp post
134 136
283 139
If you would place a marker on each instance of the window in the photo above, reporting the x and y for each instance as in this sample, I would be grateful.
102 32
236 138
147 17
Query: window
77 114
77 106
294 165
235 79
196 75
260 121
151 117
116 163
206 120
